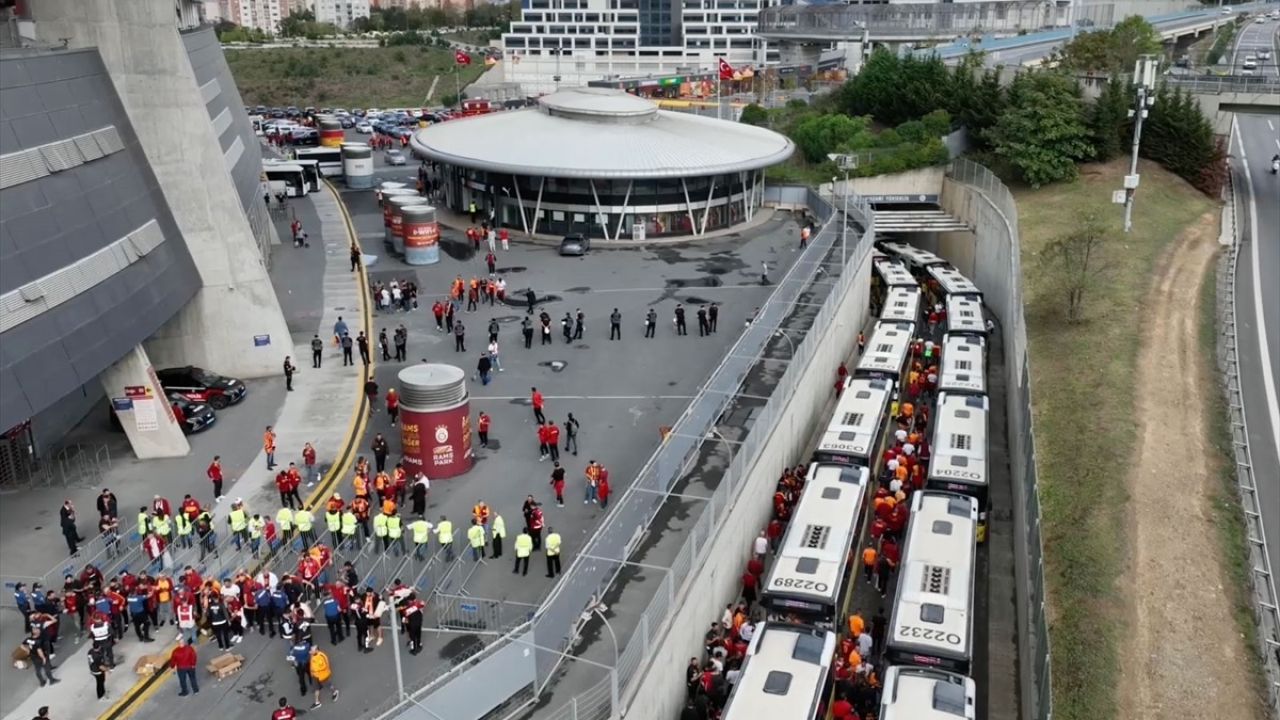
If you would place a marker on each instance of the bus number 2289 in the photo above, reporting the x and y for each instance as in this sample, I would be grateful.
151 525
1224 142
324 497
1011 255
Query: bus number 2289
927 634
795 584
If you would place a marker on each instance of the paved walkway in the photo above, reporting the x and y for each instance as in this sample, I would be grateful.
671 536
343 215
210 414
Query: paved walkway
321 410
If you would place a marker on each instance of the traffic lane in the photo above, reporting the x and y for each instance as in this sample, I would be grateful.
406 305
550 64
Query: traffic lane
296 272
1261 138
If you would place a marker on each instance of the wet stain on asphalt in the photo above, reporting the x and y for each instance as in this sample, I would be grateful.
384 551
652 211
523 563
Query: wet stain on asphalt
457 249
516 299
578 290
461 648
512 269
259 690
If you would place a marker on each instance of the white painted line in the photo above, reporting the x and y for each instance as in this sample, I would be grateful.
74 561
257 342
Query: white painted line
1268 380
1270 125
509 398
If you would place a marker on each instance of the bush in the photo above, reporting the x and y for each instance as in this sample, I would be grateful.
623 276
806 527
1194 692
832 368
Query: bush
754 115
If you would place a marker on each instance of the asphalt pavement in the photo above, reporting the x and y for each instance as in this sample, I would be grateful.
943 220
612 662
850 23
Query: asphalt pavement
622 392
1255 139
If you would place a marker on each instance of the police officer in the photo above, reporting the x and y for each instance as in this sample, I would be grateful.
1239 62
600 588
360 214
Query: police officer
650 323
553 552
348 524
284 523
317 351
289 370
256 526
303 521
412 611
103 639
395 533
238 519
185 529
333 617
380 530
444 533
333 521
615 325
138 613
524 547
144 524
526 329
475 536
421 538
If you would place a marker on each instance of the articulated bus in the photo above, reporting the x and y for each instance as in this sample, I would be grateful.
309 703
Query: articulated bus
330 159
285 177
809 574
887 351
785 676
932 620
912 693
952 283
893 273
964 365
959 463
901 305
917 260
964 316
856 431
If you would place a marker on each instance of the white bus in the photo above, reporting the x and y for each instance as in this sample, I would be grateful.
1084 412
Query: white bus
785 675
952 282
901 305
964 316
916 259
894 274
912 693
330 159
932 620
964 365
856 430
807 580
959 462
285 177
887 351
311 170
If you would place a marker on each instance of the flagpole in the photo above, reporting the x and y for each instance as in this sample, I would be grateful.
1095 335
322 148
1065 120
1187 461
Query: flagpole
457 82
719 97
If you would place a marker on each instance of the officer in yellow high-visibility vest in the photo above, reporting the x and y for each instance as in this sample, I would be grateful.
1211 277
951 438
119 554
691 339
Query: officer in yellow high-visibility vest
256 526
498 533
349 525
303 521
284 522
553 552
380 530
444 533
161 526
144 523
524 547
333 521
238 519
185 530
395 533
421 530
475 536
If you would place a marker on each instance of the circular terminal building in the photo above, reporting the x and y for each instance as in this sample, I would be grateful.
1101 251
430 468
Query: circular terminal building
602 163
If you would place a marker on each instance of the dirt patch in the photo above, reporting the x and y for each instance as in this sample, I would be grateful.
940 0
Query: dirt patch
1183 656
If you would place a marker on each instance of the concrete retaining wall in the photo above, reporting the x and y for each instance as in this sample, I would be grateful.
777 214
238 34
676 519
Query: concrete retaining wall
660 692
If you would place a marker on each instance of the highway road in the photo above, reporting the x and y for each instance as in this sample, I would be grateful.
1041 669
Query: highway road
1255 139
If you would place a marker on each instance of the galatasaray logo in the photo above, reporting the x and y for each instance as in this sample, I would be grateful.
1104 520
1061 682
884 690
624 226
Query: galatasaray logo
442 434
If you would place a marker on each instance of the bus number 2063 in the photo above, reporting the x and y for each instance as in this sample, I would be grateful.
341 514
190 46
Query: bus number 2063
795 584
927 634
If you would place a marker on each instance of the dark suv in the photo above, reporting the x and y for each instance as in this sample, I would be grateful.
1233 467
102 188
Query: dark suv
201 386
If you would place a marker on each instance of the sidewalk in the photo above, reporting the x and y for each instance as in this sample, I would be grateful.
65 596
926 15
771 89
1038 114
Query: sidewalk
321 410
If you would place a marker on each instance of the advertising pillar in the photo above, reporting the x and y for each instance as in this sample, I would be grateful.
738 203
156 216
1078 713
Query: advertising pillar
386 209
357 165
384 187
398 204
331 134
421 235
435 420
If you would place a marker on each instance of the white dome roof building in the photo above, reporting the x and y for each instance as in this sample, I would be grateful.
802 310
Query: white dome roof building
603 163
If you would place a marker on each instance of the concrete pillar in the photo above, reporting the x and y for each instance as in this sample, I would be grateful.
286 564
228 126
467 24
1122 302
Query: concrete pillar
143 408
148 63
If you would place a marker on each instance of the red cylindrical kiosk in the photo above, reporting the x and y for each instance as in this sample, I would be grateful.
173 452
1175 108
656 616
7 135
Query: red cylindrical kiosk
386 206
435 420
395 233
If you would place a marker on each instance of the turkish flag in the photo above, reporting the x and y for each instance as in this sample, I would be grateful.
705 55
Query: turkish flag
726 70
461 58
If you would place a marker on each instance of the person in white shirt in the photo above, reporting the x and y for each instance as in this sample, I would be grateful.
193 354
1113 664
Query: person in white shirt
761 546
746 632
726 619
865 643
493 356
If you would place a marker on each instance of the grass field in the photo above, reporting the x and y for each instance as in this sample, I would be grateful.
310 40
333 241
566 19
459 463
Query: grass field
347 77
1082 389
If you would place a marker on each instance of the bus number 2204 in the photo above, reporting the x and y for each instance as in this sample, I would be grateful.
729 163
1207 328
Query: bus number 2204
927 634
794 584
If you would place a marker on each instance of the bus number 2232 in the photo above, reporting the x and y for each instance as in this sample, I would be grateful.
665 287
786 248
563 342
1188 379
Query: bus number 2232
794 584
927 634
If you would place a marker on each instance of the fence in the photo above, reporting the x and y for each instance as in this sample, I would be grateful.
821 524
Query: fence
997 270
1262 581
1219 84
913 20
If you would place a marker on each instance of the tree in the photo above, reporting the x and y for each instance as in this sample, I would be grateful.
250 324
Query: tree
1109 120
1042 131
753 114
1179 136
297 23
894 90
1111 51
818 135
1074 261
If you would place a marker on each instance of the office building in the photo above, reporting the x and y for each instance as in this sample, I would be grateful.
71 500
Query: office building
341 12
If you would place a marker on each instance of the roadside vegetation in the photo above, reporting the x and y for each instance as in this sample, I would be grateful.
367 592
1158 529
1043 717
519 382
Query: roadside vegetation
1082 374
348 77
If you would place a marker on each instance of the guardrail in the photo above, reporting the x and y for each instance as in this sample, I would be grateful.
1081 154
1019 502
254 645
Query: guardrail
911 19
1218 84
1262 581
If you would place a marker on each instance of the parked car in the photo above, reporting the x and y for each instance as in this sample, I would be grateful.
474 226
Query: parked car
394 157
346 122
305 136
575 245
199 385
364 128
191 416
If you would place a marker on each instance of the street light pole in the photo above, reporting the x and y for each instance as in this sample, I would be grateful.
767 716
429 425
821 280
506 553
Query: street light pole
846 163
1144 74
